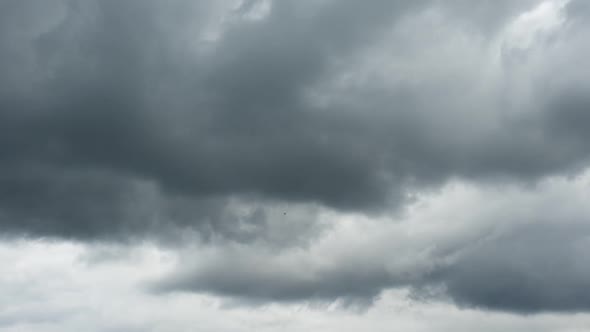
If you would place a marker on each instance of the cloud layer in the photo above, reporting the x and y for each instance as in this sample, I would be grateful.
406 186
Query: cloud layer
518 250
308 150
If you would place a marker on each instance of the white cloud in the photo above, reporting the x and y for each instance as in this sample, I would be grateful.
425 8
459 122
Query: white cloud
48 286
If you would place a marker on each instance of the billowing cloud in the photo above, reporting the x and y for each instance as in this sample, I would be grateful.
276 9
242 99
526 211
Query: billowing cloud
515 249
50 286
334 103
291 144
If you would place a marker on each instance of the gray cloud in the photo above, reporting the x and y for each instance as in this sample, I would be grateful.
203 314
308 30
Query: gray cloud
258 277
534 269
127 120
117 88
101 87
516 254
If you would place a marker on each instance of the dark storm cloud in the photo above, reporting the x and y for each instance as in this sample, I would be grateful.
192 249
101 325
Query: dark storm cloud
537 268
130 119
105 105
97 86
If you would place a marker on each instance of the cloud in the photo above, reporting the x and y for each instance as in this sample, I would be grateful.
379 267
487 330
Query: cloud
534 269
263 108
104 87
509 249
49 286
301 137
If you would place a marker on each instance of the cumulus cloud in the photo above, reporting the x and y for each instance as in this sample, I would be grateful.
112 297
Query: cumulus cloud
51 286
308 150
517 249
352 106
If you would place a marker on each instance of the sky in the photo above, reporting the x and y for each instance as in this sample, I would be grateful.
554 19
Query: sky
294 165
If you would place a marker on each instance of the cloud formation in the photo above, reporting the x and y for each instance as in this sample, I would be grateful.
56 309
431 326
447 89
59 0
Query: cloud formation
301 137
517 250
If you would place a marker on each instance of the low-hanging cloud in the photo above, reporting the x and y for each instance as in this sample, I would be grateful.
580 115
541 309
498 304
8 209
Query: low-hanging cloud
252 121
106 86
516 254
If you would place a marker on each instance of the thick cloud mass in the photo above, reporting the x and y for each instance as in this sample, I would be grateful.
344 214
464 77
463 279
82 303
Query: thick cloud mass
257 125
537 268
518 253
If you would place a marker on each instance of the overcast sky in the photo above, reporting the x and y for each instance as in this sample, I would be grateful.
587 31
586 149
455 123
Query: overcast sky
295 165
